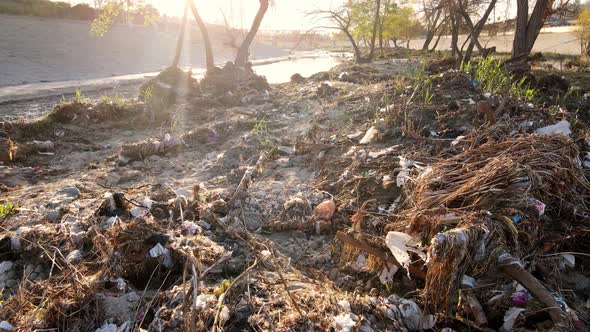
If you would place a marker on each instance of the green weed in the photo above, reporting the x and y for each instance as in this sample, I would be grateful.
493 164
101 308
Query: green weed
7 209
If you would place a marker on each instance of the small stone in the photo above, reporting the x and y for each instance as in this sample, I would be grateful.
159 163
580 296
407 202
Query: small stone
53 215
333 274
11 283
10 274
33 276
2 284
6 266
39 268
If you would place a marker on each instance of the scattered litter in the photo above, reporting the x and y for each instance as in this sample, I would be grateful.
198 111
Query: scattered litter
399 245
387 273
345 322
586 161
344 305
6 326
382 152
539 206
324 211
405 172
286 149
408 312
562 127
109 327
158 251
520 296
468 282
457 140
369 135
510 318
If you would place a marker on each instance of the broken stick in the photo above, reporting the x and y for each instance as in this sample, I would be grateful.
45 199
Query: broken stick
514 269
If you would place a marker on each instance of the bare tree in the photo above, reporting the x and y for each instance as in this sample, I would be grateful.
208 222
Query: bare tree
176 60
210 62
528 28
475 30
434 19
243 51
341 20
375 26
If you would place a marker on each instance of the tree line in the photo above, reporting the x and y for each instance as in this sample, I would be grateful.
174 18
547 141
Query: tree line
366 22
133 12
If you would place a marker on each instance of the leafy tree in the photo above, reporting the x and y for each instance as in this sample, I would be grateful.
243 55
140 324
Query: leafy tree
127 9
584 23
400 24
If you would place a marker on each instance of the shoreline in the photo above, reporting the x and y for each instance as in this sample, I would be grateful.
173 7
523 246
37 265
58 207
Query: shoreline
29 92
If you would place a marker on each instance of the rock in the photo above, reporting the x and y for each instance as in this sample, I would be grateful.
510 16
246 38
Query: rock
69 191
64 196
6 266
53 215
11 283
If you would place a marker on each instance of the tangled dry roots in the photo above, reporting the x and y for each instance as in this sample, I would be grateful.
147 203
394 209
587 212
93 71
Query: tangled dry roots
498 175
479 187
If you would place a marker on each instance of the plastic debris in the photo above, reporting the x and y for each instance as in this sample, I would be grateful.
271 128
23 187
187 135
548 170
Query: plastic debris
540 206
344 305
6 326
190 227
562 127
457 140
386 275
408 312
109 327
510 318
586 161
468 282
345 322
158 251
405 172
397 243
521 296
569 260
369 135
204 301
324 211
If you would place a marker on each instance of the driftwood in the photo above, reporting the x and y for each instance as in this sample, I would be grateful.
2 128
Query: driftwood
379 253
514 269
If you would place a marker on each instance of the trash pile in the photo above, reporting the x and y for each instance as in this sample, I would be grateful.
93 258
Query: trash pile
349 201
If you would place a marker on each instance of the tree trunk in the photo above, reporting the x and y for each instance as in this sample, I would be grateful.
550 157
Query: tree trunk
431 32
476 30
528 29
357 51
375 26
205 33
522 15
454 35
244 51
176 60
442 31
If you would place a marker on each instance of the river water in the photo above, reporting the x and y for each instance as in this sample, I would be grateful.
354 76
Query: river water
33 100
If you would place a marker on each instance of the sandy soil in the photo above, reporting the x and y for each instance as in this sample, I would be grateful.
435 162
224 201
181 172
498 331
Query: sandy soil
44 50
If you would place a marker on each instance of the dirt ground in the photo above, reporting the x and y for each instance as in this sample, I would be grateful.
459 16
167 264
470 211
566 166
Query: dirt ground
241 213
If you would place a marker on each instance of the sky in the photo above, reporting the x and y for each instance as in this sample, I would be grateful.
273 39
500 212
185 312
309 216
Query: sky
283 15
